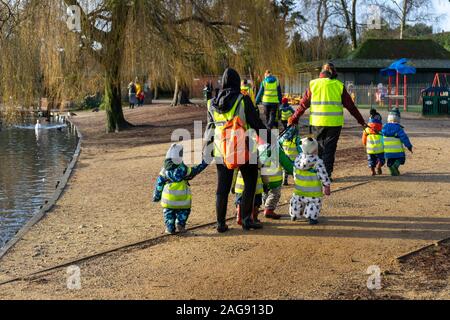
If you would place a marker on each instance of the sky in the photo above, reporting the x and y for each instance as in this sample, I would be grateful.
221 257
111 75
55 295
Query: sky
442 7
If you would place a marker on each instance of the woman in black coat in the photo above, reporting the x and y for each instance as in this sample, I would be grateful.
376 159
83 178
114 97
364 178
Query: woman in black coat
223 103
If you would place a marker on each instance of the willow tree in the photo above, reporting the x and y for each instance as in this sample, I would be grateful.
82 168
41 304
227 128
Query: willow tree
171 41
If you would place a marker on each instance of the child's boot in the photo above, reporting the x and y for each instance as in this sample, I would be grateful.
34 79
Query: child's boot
313 222
181 229
397 165
270 214
238 215
372 171
170 230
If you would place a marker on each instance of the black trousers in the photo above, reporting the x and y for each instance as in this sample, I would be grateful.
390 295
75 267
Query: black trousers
271 113
224 182
328 138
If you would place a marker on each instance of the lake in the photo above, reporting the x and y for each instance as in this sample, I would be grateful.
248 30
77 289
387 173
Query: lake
31 163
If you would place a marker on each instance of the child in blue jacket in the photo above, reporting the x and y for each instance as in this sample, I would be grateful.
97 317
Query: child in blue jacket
394 140
173 190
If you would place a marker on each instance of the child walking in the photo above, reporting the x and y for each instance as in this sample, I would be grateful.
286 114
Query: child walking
372 139
394 138
311 183
292 147
172 189
273 180
239 186
286 112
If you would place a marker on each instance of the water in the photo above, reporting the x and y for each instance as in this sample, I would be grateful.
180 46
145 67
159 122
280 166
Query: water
31 163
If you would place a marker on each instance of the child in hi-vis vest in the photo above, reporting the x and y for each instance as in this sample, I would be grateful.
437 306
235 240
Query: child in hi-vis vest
173 190
394 138
292 147
372 139
238 187
311 183
286 112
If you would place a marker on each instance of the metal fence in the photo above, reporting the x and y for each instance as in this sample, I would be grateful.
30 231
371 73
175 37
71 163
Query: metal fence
365 94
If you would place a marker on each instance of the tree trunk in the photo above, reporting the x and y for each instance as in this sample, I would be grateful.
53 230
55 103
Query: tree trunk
184 94
354 39
175 94
403 22
113 102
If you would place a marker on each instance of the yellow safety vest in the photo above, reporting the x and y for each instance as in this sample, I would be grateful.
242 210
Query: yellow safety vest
272 177
290 148
271 92
326 103
248 91
240 184
286 114
177 195
220 119
374 143
393 145
307 184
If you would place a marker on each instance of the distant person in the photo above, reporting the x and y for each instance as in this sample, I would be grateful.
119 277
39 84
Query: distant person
311 183
394 138
270 95
247 90
132 92
286 112
372 139
327 98
172 189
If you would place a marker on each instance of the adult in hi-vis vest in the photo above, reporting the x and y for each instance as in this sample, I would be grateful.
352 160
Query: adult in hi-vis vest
326 98
228 104
270 95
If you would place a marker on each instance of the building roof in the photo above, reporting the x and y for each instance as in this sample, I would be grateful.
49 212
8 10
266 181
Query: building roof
380 53
395 49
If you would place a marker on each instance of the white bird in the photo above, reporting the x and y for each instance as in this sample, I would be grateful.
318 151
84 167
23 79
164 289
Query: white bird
38 125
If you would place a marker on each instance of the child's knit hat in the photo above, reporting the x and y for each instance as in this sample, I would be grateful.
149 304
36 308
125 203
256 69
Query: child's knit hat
310 146
175 153
285 100
394 116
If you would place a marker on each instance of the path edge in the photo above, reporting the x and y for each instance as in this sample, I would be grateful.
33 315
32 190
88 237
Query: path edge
49 204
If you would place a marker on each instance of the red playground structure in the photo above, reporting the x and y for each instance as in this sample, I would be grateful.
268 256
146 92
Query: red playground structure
397 69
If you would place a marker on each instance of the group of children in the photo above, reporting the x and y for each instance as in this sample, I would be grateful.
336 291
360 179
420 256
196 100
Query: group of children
385 144
311 181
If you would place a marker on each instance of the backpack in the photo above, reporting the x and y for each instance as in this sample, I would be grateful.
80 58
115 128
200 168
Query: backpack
234 143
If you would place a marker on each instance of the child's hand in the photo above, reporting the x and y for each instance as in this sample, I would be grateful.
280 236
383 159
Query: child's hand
327 190
156 199
411 149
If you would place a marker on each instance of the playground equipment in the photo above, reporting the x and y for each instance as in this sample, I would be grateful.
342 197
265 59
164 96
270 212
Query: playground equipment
396 69
436 99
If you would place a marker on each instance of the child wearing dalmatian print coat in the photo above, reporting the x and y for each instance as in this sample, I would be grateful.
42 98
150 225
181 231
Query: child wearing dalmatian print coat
311 183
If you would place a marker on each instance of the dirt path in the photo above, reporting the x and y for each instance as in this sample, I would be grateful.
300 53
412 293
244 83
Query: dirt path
108 204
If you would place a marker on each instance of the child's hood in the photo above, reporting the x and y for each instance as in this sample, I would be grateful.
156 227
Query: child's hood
285 106
375 127
175 172
391 129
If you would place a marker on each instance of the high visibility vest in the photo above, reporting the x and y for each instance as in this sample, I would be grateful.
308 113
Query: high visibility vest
290 148
271 92
374 143
307 184
272 177
286 114
248 91
326 103
240 184
220 119
177 195
393 145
